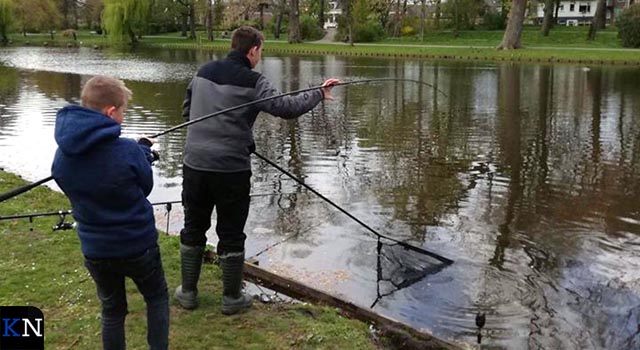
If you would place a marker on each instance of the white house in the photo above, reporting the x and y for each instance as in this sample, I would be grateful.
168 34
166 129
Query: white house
573 12
331 20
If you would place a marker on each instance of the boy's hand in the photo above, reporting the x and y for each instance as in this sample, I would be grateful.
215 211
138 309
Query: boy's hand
155 156
146 141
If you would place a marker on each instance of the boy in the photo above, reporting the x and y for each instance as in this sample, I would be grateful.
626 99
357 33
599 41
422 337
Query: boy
107 180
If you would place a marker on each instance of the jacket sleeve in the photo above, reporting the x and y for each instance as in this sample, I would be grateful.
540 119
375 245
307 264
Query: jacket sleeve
186 104
287 107
142 167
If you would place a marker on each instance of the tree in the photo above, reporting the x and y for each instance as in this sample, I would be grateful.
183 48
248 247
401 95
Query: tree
423 16
294 22
69 12
629 26
381 9
547 22
209 20
188 14
437 14
36 15
126 17
280 5
598 20
6 19
92 13
511 38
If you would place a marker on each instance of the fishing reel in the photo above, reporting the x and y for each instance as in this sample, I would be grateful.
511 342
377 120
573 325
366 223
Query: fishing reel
62 225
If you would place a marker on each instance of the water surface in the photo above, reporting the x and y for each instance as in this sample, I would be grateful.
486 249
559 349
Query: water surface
525 175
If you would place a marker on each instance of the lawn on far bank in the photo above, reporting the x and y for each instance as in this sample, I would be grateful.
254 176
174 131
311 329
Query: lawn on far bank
560 36
45 269
563 45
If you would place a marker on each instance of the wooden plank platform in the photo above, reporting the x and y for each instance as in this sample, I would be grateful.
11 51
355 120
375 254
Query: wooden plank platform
409 337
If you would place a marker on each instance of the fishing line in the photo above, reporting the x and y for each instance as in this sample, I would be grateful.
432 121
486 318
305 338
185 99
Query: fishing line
28 187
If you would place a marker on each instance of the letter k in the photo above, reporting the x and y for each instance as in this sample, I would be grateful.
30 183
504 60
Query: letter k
7 327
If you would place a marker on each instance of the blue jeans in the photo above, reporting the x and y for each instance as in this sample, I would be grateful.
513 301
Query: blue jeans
147 273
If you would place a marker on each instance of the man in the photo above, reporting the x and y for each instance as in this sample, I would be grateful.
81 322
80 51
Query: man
217 164
107 179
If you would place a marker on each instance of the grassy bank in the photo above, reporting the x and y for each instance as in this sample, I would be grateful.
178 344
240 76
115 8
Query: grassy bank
44 269
564 45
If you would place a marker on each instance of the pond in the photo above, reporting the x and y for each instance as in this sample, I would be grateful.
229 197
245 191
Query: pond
526 175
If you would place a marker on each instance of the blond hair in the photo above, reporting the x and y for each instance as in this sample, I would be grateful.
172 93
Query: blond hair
101 91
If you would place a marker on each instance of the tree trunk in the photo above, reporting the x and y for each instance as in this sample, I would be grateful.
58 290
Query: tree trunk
548 17
209 20
132 37
75 15
321 14
192 22
261 6
348 12
423 15
603 17
396 24
456 27
555 17
511 38
65 13
183 31
437 16
276 33
595 22
294 22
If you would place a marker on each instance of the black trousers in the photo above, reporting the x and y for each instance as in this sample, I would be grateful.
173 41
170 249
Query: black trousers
229 194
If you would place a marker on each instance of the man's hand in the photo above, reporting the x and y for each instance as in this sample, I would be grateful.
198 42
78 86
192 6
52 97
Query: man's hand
327 86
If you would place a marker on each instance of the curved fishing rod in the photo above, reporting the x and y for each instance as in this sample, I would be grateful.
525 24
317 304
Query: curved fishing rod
353 82
28 187
378 234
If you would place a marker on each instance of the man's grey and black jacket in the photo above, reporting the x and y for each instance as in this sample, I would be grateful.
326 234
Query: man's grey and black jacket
224 143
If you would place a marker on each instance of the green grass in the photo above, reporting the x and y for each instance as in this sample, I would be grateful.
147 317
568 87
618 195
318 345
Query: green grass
564 45
45 269
531 37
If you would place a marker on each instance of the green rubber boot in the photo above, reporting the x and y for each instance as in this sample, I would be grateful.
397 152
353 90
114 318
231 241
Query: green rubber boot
233 300
191 261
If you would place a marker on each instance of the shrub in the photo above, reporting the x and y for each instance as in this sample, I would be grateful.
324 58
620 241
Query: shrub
271 26
69 33
309 28
241 23
368 32
407 31
629 26
493 21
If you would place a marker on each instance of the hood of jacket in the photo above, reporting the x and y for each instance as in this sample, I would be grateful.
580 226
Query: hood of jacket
78 129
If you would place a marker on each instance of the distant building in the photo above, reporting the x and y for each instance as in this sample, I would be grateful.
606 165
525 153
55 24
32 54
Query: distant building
573 13
332 15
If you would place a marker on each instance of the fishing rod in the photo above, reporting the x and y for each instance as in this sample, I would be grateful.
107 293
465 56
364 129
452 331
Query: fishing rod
69 211
28 187
378 234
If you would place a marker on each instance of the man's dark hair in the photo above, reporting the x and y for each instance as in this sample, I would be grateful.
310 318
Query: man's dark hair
244 38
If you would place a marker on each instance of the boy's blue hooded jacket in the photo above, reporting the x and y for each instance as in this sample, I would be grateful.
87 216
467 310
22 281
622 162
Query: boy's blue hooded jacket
107 179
